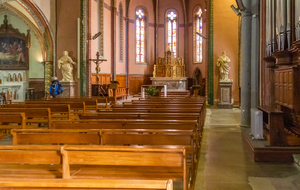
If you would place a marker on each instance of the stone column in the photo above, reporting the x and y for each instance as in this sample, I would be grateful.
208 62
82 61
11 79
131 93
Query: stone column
246 64
255 54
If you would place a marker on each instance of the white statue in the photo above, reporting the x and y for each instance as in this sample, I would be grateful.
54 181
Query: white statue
66 64
224 68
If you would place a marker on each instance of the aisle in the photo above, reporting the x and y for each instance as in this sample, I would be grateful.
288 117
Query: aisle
226 165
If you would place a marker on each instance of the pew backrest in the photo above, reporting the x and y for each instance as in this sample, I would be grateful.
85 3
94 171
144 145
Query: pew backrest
11 120
127 157
55 136
33 115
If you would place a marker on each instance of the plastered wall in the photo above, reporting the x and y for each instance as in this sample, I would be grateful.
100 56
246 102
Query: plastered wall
226 39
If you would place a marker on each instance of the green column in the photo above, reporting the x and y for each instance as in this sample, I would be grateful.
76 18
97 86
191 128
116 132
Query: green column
83 29
210 90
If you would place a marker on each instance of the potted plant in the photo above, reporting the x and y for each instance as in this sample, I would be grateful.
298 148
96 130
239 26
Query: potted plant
151 91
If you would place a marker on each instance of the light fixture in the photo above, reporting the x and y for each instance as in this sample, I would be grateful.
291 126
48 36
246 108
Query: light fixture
240 5
236 10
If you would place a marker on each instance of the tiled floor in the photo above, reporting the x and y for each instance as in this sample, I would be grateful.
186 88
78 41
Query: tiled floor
226 165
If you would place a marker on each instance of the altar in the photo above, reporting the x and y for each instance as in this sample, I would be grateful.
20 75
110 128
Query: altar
170 71
174 84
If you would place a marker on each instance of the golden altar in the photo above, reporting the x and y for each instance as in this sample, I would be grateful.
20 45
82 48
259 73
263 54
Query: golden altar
170 71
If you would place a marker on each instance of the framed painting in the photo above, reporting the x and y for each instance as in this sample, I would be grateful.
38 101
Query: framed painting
14 48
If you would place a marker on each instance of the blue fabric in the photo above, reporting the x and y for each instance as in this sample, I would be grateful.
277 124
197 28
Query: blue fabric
54 92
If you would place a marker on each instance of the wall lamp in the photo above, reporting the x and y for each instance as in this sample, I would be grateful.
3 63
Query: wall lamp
239 9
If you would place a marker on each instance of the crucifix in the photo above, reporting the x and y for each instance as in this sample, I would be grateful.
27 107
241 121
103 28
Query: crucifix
98 61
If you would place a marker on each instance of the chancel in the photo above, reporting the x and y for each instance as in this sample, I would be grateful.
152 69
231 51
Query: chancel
156 94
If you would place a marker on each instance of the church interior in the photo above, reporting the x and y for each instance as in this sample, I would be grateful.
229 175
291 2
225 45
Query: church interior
155 94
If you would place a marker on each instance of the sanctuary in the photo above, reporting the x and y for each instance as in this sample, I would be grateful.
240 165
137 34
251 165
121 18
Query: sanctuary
170 71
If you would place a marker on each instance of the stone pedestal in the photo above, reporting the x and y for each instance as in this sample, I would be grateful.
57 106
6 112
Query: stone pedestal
225 89
68 89
174 84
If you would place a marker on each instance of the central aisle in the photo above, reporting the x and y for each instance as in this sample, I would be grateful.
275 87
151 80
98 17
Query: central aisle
225 163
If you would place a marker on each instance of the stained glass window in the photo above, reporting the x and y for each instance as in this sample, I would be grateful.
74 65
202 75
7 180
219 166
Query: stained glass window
140 35
172 31
198 35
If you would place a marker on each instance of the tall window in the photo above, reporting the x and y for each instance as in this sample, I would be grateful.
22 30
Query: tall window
172 31
198 35
140 35
121 30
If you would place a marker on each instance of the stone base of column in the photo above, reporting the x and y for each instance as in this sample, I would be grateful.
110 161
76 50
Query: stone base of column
225 89
68 89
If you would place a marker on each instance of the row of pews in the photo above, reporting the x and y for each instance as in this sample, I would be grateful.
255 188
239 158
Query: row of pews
142 144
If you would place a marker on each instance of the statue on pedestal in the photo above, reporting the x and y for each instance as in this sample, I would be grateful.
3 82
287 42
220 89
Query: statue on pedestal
224 68
65 63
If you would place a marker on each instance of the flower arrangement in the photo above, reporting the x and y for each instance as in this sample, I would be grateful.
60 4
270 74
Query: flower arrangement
151 91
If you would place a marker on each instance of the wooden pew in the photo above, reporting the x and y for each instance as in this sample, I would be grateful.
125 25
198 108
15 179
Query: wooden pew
84 184
112 137
58 111
153 110
30 162
56 136
35 167
125 124
137 115
146 105
33 115
135 124
90 102
132 163
12 120
75 107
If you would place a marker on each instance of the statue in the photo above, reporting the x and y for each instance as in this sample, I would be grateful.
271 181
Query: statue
66 64
224 68
154 71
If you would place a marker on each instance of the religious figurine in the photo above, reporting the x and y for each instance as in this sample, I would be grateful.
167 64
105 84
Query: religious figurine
224 68
154 71
66 64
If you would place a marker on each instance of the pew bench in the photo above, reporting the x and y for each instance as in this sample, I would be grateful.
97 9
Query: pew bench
56 136
30 162
33 115
58 111
84 184
75 107
135 124
12 120
132 163
110 137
